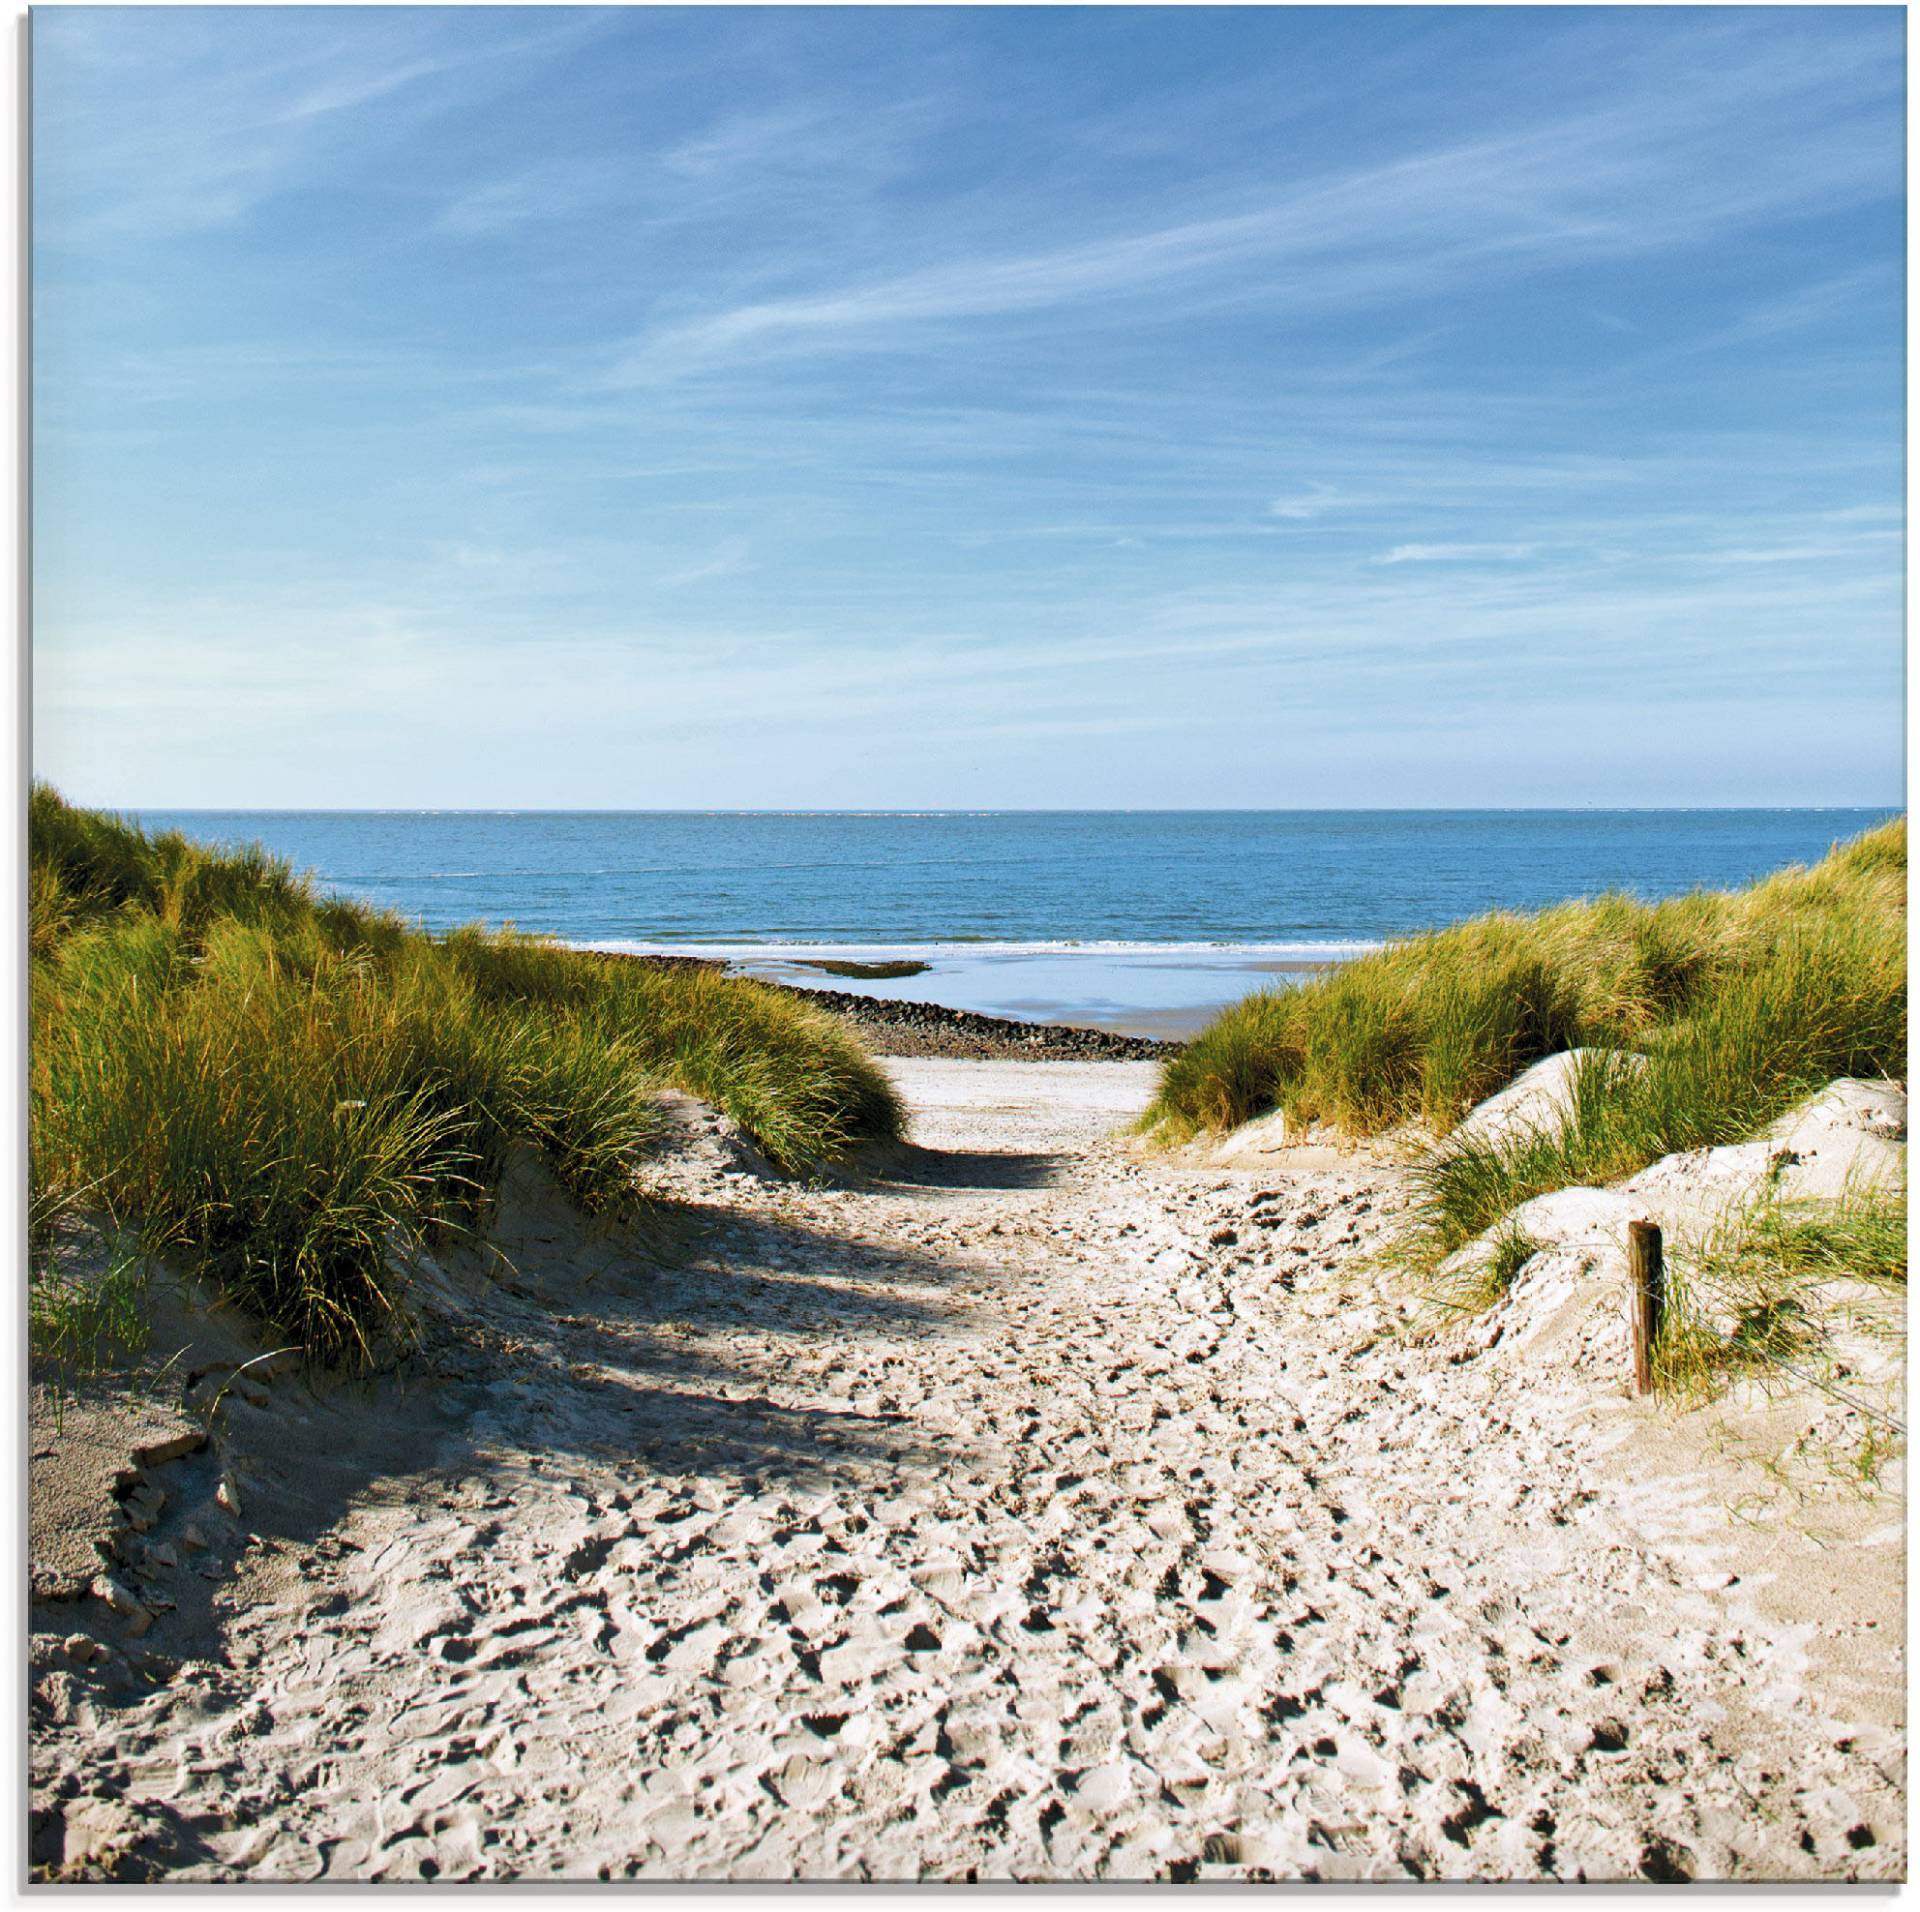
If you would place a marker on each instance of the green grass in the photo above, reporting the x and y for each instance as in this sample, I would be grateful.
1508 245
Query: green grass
1819 1001
1757 1292
786 1073
277 1090
80 1322
1479 1285
1742 1002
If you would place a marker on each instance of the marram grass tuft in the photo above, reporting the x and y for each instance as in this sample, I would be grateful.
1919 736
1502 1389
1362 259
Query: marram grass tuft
1740 1002
1741 999
277 1091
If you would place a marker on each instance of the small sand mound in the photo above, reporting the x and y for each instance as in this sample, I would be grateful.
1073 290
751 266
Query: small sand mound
1538 1098
1568 1305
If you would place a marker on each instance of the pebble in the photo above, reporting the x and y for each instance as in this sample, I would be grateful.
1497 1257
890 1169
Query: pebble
121 1601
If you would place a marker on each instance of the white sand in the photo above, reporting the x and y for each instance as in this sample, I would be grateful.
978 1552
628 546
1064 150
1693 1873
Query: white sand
1034 1511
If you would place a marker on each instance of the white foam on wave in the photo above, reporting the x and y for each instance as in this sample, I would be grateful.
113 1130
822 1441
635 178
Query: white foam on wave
1300 951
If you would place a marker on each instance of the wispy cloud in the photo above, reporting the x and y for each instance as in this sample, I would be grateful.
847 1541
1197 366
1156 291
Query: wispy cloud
554 189
1455 554
726 558
1610 183
651 405
748 143
1316 501
339 96
218 123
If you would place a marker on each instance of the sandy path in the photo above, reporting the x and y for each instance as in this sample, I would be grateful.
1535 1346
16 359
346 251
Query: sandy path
1033 1512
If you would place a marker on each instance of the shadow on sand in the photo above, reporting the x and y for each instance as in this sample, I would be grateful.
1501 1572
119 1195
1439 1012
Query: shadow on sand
905 1165
563 1338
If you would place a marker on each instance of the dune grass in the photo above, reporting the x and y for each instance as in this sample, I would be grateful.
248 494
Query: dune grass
787 1073
79 1323
1477 1284
1757 1294
278 1090
1741 1002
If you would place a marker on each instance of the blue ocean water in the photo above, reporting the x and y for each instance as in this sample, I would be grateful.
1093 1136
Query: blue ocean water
1131 918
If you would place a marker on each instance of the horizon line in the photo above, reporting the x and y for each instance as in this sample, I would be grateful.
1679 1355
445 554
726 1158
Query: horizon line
972 810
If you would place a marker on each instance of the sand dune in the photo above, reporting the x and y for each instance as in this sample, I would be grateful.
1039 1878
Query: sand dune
1030 1510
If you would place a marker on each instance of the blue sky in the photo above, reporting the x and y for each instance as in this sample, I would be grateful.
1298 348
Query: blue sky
1000 407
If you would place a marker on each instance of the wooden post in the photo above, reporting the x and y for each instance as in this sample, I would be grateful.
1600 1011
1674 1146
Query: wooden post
1647 1281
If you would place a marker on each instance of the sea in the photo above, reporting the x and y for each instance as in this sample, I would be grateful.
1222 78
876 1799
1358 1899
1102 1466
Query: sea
1141 921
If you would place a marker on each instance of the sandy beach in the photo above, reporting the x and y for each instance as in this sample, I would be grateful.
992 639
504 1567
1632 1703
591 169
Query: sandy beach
963 944
1163 994
1024 1508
